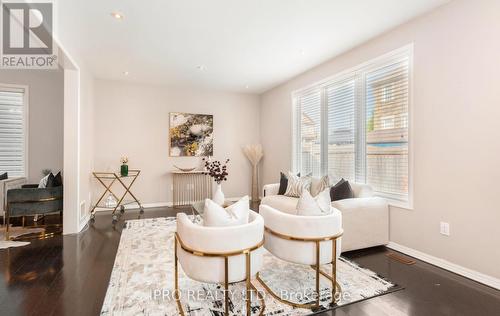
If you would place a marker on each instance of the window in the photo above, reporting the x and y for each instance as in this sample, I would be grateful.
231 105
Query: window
310 133
387 122
355 126
388 92
13 113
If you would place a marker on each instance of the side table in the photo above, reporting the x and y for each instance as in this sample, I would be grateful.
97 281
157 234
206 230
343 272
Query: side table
107 179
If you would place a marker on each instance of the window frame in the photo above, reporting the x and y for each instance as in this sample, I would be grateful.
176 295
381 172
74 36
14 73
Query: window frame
25 90
359 72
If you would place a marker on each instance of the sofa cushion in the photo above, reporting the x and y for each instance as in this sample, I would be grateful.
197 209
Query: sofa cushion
43 182
296 185
319 184
283 203
342 190
58 180
314 206
51 181
284 183
215 215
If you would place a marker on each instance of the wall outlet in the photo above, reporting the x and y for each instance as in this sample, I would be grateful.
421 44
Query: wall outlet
444 228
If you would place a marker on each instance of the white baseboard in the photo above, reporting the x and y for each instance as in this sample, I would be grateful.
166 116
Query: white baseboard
444 264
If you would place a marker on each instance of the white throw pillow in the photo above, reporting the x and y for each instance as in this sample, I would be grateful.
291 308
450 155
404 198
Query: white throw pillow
296 185
215 215
319 184
314 206
43 182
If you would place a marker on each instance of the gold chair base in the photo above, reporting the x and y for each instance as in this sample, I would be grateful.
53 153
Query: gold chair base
225 256
259 295
338 289
333 277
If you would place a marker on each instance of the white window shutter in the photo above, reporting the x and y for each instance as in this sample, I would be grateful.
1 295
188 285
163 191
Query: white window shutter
341 107
387 129
12 132
309 133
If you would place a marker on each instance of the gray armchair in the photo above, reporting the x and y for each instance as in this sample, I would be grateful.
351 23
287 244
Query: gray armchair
31 200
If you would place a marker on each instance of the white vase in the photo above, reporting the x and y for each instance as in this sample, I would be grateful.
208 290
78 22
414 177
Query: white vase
218 196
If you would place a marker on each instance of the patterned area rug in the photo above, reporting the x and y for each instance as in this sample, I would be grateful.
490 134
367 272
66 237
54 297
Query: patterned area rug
142 280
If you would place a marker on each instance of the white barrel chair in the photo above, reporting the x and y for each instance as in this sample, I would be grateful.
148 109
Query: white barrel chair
221 255
307 240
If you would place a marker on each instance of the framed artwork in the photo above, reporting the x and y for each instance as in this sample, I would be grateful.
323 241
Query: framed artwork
191 134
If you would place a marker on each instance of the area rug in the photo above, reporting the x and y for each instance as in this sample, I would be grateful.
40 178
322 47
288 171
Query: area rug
142 280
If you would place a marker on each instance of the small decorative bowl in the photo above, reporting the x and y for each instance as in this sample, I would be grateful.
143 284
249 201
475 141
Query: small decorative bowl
185 169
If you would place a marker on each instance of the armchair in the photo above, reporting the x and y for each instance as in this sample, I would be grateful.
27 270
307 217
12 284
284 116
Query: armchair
365 217
307 240
219 255
31 200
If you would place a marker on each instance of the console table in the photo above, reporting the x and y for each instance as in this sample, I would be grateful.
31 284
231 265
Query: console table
189 187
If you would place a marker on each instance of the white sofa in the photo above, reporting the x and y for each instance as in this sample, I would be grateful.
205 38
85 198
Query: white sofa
365 218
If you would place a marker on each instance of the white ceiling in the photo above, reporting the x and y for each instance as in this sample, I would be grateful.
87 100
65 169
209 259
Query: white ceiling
254 43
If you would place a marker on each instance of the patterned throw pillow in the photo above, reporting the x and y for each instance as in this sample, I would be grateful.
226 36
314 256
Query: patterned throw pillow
318 185
297 184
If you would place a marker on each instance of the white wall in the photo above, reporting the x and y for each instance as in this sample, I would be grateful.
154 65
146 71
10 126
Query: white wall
455 125
133 120
79 107
46 110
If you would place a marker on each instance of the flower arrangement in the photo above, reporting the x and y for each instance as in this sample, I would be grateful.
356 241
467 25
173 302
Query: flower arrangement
216 170
124 160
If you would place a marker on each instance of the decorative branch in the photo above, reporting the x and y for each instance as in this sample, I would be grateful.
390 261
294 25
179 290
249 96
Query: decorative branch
216 170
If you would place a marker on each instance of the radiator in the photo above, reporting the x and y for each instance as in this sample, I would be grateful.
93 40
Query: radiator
190 187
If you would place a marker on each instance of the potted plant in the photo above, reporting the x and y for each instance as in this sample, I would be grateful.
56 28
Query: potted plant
124 167
218 171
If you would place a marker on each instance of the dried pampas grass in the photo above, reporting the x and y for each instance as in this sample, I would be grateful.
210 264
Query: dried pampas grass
254 153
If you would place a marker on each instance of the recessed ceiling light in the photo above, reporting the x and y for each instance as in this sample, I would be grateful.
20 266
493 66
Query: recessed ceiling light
200 67
126 73
117 15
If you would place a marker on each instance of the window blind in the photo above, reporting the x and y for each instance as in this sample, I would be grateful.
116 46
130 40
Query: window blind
341 102
309 112
12 132
356 126
387 129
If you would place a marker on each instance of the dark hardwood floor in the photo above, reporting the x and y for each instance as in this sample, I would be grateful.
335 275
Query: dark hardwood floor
69 275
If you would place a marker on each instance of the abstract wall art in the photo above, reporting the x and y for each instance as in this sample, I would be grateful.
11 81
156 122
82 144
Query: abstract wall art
191 135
